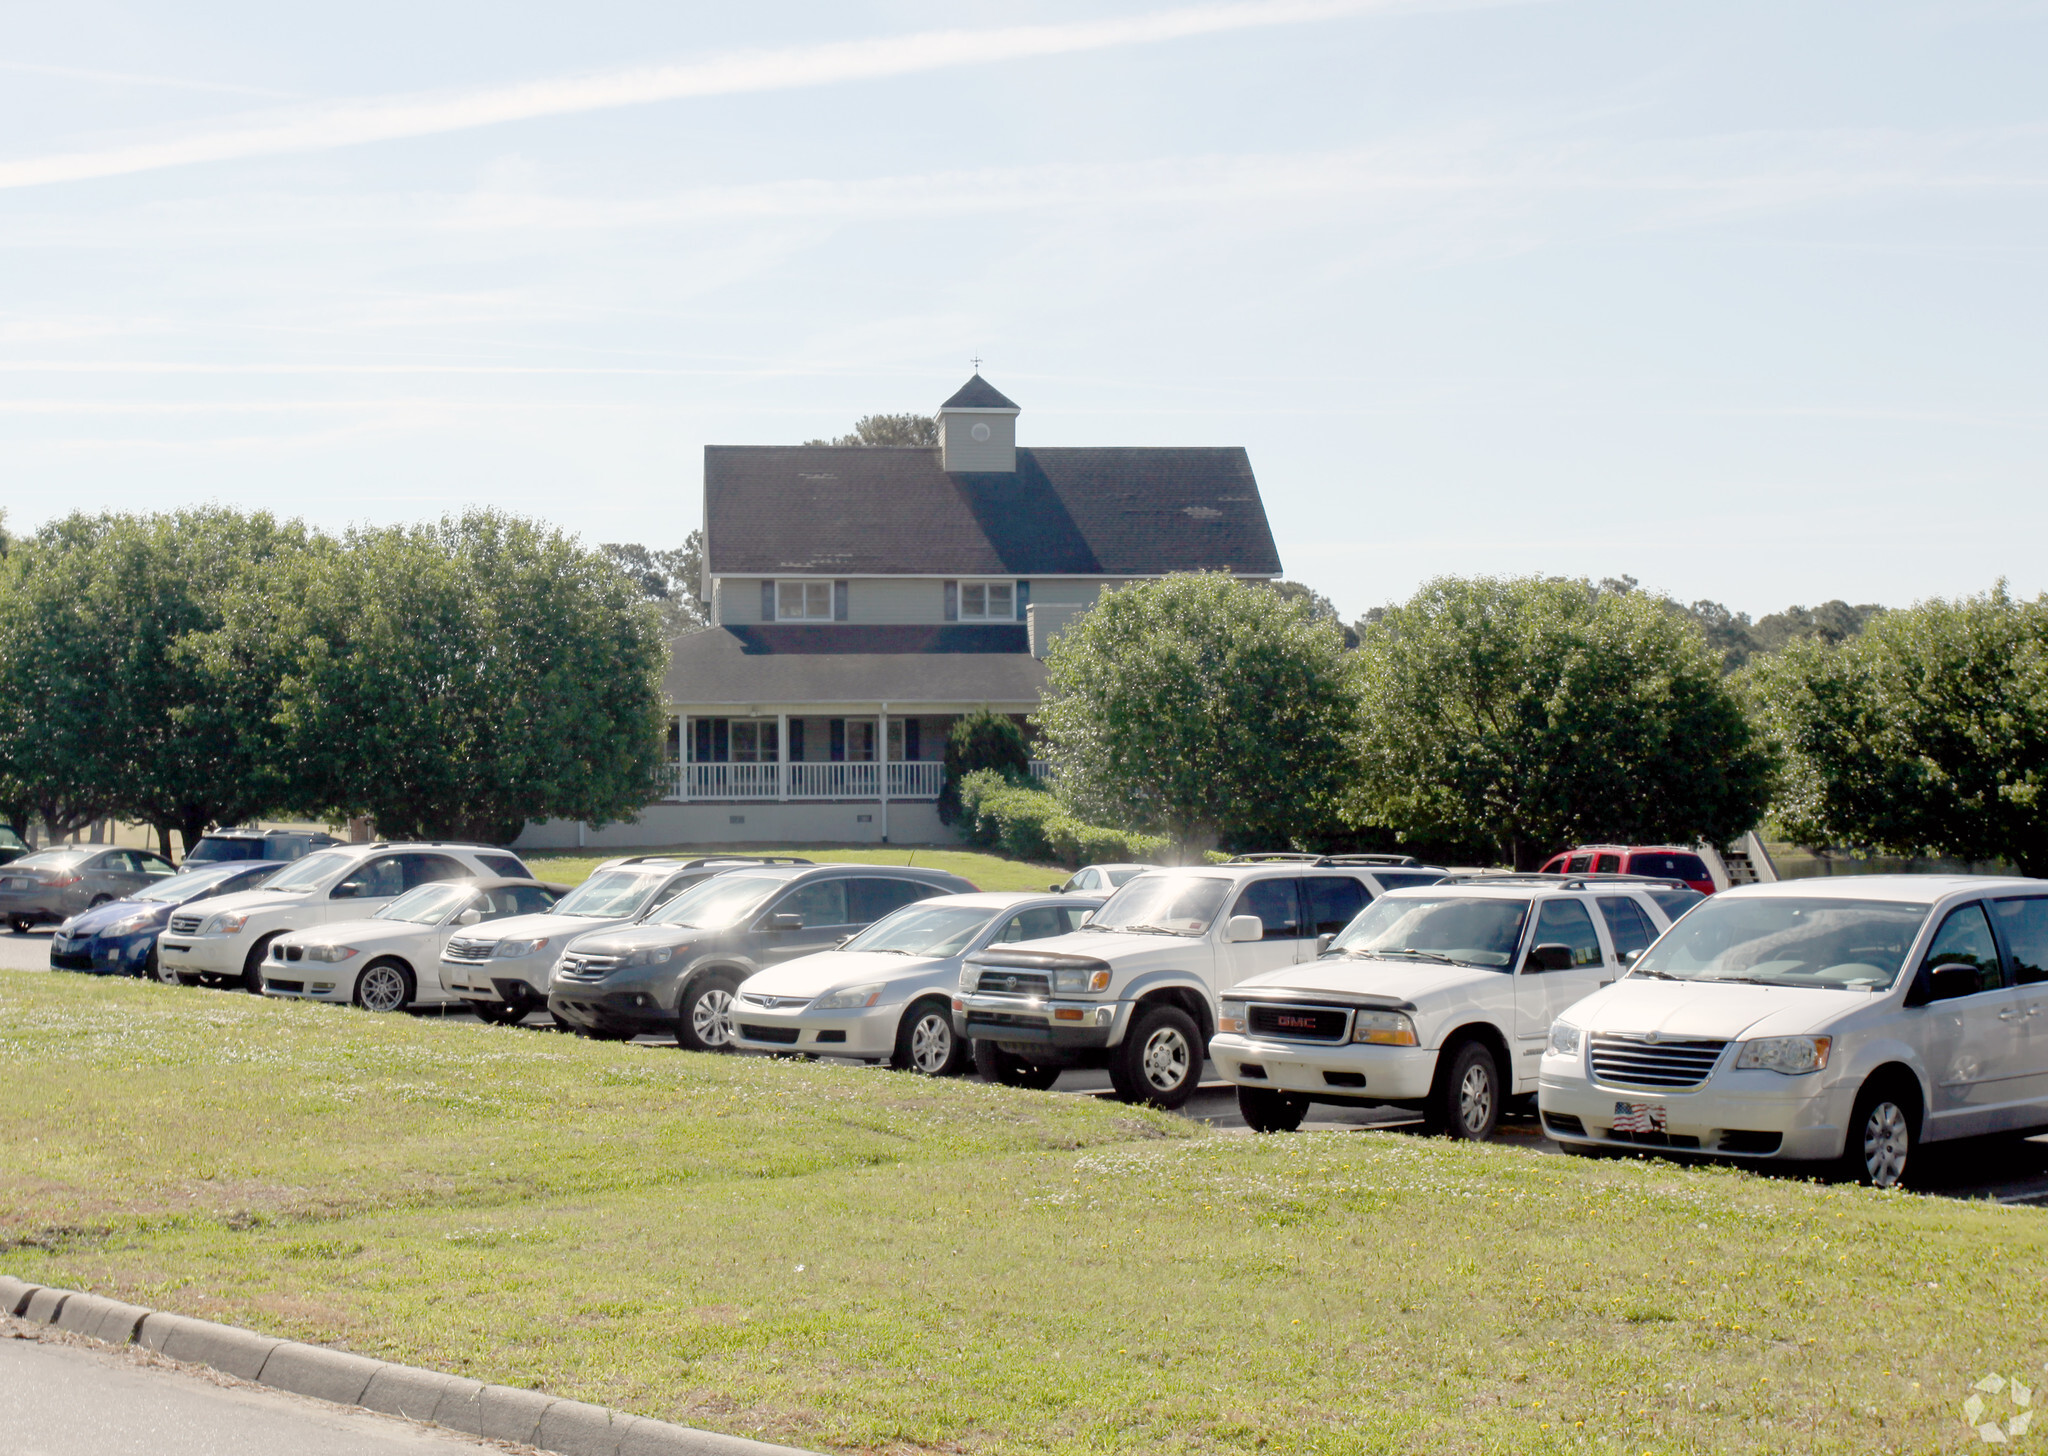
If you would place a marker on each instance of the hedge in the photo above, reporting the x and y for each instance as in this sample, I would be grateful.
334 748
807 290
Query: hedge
1028 823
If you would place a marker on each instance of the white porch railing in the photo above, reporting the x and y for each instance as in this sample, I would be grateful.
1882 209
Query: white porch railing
728 782
734 780
1041 769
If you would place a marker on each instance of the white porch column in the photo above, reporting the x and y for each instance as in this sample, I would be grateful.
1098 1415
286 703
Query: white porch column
689 754
782 758
882 766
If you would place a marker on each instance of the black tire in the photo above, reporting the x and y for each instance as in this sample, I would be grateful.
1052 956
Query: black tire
99 900
1159 1062
704 1015
1265 1110
1883 1137
1007 1069
148 970
19 924
252 968
499 1013
386 986
926 1043
1465 1101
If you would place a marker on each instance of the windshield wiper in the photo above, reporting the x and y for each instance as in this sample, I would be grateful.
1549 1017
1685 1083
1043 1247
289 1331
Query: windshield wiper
1652 975
1426 955
1150 929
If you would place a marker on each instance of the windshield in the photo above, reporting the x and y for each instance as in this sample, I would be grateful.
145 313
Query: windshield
611 895
427 905
717 902
1175 904
1845 945
216 851
179 888
56 859
1466 930
309 872
925 930
9 839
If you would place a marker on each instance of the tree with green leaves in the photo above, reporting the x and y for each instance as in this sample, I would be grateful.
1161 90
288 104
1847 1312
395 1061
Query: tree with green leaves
1205 710
672 580
913 430
1541 712
1927 734
459 680
981 740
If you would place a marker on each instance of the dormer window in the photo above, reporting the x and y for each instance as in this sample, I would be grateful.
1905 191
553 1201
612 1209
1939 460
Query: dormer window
988 601
803 601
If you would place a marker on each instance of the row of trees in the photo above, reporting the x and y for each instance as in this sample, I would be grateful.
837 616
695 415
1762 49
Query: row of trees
1511 717
209 666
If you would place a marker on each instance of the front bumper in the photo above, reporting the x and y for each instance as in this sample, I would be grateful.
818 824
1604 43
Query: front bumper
1357 1071
1046 1028
220 955
101 956
869 1033
300 983
596 1007
1751 1114
514 982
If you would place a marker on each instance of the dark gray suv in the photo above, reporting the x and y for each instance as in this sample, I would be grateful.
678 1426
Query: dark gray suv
675 972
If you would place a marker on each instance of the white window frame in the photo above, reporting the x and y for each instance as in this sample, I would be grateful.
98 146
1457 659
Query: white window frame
808 593
982 587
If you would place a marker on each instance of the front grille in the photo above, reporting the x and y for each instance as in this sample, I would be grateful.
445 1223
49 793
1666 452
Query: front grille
295 987
1301 1023
1565 1123
783 1034
587 968
70 961
469 950
1743 1140
1629 1061
1654 1139
1005 1018
1014 983
280 951
186 924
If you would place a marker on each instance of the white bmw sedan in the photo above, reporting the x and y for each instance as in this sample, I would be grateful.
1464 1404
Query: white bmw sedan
388 961
1844 1019
887 993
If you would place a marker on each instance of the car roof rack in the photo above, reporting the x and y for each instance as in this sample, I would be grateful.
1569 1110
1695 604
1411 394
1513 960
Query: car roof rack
1565 882
1302 857
1275 856
712 859
1390 861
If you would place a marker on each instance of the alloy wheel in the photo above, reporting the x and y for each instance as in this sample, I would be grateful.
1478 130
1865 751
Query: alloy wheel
1886 1142
1475 1098
1166 1058
382 988
931 1043
711 1017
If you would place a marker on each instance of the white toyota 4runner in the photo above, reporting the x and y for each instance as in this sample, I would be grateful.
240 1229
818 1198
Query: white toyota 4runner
227 939
1437 999
1136 990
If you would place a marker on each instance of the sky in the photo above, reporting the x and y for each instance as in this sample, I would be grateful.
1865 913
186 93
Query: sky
1745 300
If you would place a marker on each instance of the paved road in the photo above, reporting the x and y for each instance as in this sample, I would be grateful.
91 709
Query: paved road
66 1400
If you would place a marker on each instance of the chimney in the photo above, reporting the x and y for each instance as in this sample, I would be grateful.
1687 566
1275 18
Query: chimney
978 430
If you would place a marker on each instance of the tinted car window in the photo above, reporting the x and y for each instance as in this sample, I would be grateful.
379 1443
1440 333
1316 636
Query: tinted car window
1627 926
1277 905
425 869
1965 940
1607 864
1035 924
2024 924
1073 916
506 865
1333 901
821 902
215 851
869 900
373 879
1580 864
1566 923
1406 879
1675 903
1669 866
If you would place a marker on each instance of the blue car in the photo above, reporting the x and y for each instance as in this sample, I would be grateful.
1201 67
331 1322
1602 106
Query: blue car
119 937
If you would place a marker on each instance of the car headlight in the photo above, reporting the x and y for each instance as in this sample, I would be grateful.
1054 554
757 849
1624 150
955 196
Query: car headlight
970 977
1234 1019
1383 1028
228 924
330 953
850 998
512 950
1564 1039
129 924
650 957
1077 980
1788 1054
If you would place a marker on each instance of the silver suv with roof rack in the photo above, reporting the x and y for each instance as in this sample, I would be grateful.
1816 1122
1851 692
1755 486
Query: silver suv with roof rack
1136 990
1438 999
504 972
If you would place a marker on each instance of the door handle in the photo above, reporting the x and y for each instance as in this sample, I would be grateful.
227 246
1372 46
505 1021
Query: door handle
2014 1015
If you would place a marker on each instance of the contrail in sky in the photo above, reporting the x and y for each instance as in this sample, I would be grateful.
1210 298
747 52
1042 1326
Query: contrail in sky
351 123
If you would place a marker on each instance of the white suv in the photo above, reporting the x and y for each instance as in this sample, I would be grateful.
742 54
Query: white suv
1439 999
1848 1019
1136 990
226 939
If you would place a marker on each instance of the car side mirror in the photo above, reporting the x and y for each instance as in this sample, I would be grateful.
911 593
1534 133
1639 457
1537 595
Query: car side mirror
785 922
1056 889
1944 983
349 890
1630 957
1243 928
471 916
1323 941
1549 958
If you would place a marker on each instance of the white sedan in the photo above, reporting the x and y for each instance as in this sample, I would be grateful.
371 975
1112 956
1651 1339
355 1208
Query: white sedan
377 963
887 993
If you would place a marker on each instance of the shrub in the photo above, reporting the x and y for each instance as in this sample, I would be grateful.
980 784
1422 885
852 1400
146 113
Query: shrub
1029 823
981 741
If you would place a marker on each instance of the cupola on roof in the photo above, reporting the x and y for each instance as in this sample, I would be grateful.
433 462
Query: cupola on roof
978 430
978 393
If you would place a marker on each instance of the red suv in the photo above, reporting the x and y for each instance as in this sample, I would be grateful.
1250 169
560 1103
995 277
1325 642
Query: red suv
1666 862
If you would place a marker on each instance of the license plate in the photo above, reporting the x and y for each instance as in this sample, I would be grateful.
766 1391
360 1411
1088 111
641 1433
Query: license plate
1639 1117
15 884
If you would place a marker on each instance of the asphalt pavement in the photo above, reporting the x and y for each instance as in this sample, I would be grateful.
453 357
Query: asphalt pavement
59 1399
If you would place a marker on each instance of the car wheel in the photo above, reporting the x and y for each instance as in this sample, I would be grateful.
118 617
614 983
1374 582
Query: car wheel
384 986
99 900
1160 1061
252 968
1882 1139
925 1042
498 1013
1007 1069
1465 1102
704 1020
1265 1110
19 924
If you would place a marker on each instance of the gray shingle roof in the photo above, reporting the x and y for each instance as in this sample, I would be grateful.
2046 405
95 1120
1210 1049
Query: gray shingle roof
855 510
978 393
852 664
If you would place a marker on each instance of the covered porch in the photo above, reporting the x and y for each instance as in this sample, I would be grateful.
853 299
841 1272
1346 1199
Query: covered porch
812 753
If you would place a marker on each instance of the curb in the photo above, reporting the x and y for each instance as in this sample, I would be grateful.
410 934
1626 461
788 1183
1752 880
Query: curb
494 1412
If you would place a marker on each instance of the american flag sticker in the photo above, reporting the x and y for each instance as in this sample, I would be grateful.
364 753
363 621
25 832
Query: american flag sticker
1638 1117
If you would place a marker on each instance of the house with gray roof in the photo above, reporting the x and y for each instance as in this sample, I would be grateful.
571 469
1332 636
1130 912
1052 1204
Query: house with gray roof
863 598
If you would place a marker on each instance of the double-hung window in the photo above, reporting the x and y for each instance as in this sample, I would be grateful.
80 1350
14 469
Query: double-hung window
803 601
988 601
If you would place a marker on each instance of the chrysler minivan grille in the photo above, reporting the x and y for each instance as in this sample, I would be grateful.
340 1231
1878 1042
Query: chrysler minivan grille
1633 1061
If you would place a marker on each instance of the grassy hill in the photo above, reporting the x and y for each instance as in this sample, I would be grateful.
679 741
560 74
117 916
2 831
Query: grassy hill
985 871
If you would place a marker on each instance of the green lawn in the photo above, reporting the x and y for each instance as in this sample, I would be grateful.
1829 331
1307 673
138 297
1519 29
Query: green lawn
986 871
858 1260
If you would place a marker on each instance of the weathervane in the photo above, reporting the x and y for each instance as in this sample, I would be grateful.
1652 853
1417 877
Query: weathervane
976 361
